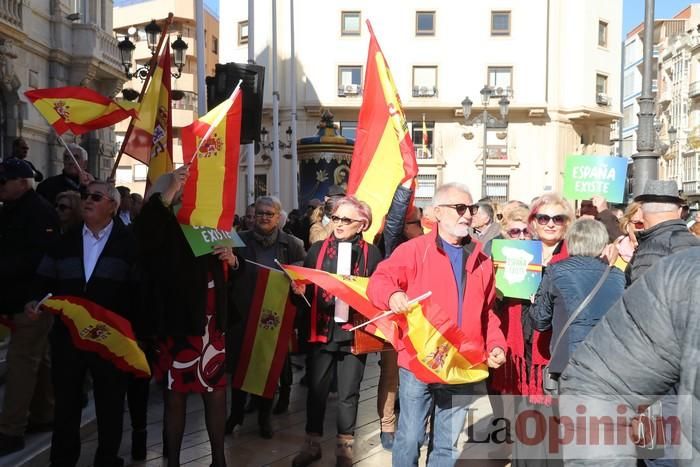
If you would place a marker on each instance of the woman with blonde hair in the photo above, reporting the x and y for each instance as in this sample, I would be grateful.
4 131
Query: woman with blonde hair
632 222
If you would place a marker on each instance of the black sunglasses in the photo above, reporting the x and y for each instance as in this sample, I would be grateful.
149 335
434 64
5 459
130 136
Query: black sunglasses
265 213
543 219
96 197
343 220
462 208
516 232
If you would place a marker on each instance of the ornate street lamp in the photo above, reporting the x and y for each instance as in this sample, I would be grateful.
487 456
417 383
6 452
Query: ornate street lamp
153 33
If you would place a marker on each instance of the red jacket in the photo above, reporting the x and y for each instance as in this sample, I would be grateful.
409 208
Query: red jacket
420 265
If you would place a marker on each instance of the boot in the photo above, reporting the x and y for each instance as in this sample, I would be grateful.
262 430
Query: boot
282 401
310 451
138 444
264 424
343 451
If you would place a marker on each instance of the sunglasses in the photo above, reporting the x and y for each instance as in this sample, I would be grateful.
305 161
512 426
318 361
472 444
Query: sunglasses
63 207
96 197
462 208
543 219
343 220
516 232
265 213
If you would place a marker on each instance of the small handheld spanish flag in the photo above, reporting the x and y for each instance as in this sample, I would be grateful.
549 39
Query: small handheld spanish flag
78 109
96 329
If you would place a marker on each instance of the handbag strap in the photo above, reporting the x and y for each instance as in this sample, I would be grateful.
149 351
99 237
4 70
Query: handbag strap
580 308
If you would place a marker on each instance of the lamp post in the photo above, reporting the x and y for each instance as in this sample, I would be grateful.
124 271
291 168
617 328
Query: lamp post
153 32
646 165
487 121
266 144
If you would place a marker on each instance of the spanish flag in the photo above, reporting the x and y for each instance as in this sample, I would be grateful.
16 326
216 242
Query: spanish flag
77 109
437 349
383 155
96 329
151 137
267 336
213 141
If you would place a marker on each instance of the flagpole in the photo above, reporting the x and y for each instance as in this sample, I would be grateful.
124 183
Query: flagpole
290 278
151 69
295 164
71 154
214 124
250 148
418 299
275 109
283 271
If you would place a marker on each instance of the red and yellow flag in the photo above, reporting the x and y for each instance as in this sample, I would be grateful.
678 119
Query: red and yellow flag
267 335
96 329
150 140
437 349
77 109
383 155
213 143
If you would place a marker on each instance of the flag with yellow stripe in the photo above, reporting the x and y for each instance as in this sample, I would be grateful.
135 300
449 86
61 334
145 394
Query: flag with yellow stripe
211 146
438 350
78 109
267 335
97 329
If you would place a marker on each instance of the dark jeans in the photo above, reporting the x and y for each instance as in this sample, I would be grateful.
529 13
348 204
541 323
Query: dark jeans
69 366
350 369
137 400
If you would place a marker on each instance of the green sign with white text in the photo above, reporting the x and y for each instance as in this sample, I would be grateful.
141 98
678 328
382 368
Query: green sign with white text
587 176
202 240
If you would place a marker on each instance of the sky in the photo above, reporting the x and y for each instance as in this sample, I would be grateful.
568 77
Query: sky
633 11
214 5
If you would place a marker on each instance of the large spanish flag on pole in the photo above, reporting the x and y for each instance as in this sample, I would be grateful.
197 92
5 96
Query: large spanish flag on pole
383 155
437 349
213 144
96 329
150 140
267 335
77 109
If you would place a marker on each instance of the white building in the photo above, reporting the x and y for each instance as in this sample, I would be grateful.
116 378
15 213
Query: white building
559 60
52 44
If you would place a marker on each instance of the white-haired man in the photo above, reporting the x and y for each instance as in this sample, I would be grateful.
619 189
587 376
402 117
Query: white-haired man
451 265
664 232
73 178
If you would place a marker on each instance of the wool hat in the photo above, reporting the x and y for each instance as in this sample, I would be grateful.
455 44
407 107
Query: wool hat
660 191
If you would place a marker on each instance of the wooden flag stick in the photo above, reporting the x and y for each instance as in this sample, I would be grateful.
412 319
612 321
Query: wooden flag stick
80 169
292 280
277 270
389 313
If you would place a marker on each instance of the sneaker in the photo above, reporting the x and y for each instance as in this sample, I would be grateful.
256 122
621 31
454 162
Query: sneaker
387 440
10 444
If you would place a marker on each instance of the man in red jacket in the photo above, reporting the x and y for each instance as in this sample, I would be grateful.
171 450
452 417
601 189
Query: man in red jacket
452 265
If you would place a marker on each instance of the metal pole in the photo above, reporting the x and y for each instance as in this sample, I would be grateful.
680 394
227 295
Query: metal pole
201 58
275 109
646 164
250 148
293 70
485 118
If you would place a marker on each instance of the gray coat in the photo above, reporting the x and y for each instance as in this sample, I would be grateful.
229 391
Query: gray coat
647 343
664 239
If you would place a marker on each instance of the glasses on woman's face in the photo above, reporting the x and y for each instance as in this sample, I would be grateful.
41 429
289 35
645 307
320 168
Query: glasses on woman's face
343 220
515 233
96 197
63 207
462 208
544 219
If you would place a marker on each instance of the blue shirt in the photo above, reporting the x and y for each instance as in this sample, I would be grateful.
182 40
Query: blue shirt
455 252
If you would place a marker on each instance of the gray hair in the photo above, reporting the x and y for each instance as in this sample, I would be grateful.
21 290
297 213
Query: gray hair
441 192
652 208
110 190
78 151
586 237
269 201
283 218
486 208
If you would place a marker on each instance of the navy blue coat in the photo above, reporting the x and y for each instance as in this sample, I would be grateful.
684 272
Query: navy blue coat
564 286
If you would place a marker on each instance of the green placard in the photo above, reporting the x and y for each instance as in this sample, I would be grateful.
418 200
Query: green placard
586 176
202 240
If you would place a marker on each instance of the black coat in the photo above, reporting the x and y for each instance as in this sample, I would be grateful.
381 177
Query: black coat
646 344
52 186
175 281
28 227
658 242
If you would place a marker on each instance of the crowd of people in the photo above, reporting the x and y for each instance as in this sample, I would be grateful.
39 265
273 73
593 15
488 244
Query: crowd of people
606 317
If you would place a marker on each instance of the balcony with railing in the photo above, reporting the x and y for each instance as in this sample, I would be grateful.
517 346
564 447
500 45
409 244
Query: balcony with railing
694 89
11 12
89 41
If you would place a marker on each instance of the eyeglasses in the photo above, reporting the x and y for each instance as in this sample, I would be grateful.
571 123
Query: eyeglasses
96 197
462 208
265 214
543 219
63 207
343 220
516 232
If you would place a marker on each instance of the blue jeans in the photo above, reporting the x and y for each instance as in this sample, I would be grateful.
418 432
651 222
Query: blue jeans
451 404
